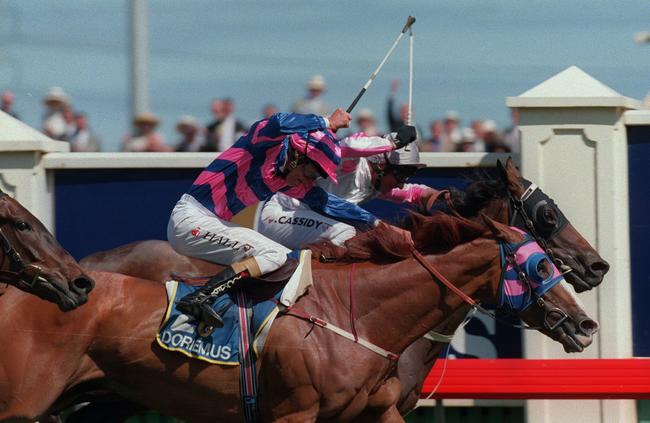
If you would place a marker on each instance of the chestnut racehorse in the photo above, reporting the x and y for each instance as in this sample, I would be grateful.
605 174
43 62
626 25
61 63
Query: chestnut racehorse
499 199
33 261
307 373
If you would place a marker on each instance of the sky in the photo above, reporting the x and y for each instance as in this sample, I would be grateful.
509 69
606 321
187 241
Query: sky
469 54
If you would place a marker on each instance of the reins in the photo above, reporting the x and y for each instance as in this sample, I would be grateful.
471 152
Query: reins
28 273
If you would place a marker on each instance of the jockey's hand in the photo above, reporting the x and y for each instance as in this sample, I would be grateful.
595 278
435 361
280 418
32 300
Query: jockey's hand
405 135
339 119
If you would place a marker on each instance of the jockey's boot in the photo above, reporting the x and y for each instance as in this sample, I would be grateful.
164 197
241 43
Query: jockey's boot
198 304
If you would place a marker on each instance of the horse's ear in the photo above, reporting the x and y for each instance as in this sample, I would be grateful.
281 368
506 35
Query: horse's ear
511 168
511 176
497 229
502 170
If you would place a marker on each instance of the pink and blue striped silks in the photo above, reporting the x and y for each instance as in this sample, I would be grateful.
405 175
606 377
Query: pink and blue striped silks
249 171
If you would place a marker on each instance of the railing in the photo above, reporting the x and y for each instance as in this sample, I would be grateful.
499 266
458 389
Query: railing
540 379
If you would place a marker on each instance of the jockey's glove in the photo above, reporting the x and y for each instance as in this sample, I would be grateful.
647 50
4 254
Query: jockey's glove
405 135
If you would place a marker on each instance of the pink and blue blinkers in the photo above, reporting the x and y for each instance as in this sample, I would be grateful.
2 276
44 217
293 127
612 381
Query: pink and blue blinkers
528 274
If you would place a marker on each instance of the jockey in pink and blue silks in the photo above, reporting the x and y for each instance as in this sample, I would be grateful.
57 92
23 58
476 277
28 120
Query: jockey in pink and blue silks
372 167
285 153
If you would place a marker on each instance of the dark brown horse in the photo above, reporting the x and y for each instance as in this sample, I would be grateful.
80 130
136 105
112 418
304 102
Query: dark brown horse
307 373
34 262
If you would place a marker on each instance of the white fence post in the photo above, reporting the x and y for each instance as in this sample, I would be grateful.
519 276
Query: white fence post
574 146
21 172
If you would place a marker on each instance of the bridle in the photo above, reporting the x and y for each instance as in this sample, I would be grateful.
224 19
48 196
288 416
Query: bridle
30 274
553 317
524 210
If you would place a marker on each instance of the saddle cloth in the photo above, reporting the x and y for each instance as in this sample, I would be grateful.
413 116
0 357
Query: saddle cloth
179 332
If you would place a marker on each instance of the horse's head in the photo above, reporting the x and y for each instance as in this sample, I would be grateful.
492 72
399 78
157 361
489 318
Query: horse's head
531 288
33 261
535 212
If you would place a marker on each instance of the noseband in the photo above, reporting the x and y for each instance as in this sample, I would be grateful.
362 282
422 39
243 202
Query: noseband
27 273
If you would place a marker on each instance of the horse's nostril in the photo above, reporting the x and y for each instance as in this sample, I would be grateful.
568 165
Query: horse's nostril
599 267
83 284
589 326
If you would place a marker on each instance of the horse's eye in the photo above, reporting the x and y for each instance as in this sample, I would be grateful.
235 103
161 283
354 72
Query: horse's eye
544 269
23 226
550 216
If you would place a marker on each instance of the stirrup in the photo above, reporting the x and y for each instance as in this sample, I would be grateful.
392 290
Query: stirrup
209 316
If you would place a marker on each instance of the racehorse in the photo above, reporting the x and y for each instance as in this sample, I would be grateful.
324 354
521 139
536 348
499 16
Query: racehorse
502 199
34 262
307 373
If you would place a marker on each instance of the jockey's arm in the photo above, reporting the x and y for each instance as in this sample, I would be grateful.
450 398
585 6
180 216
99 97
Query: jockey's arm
332 206
415 194
362 145
290 123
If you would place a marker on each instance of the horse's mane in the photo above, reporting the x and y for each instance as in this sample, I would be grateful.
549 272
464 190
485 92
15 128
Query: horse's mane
436 233
478 195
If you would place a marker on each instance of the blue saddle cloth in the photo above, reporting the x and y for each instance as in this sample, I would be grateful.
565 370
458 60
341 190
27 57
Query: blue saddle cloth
179 332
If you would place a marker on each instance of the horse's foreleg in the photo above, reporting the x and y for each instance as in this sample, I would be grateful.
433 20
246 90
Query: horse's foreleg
391 416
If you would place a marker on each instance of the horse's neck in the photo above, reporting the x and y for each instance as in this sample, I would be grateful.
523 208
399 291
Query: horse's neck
400 302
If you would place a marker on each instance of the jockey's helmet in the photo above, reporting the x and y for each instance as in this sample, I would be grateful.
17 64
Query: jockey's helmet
324 151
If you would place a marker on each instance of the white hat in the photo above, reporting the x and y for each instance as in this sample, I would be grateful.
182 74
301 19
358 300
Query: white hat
317 82
467 135
365 113
56 95
489 126
451 115
187 120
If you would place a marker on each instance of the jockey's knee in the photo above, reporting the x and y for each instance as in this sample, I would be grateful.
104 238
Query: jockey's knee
343 235
271 259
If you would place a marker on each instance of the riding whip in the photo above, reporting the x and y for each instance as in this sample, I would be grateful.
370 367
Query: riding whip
409 120
409 21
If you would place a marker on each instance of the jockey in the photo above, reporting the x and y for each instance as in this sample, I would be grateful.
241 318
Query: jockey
372 167
285 153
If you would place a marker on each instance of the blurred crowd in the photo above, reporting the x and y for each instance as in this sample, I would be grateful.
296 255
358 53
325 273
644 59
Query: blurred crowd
62 121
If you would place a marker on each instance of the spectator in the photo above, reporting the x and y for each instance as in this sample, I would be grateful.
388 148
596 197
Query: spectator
451 132
433 144
467 142
190 132
491 136
395 121
225 129
512 135
477 126
144 136
366 122
313 102
54 122
7 102
70 124
83 139
269 110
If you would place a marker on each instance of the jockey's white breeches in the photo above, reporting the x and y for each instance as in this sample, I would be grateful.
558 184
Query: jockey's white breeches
293 224
195 231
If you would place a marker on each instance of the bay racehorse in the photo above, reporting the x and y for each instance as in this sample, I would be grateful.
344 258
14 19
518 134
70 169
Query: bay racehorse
33 261
501 199
307 373
509 198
